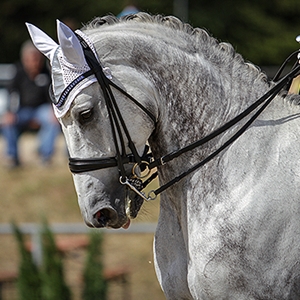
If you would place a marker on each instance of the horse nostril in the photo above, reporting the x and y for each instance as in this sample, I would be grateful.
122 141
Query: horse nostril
104 217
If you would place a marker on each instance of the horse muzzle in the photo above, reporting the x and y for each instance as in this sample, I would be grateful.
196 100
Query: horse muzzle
107 217
110 217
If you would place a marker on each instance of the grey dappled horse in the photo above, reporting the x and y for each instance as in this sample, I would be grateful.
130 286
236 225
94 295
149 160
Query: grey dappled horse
228 230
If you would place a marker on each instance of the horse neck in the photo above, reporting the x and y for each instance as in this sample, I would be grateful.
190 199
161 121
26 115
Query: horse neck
200 84
197 97
198 80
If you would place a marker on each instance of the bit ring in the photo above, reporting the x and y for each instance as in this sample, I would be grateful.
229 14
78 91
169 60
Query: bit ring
139 174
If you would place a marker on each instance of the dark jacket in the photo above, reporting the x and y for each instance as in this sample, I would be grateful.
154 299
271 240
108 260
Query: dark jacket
31 93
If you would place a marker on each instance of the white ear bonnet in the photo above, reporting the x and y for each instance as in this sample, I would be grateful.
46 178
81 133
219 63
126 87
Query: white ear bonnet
68 64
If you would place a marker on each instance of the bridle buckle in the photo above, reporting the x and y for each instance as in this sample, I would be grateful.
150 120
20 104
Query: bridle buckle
131 184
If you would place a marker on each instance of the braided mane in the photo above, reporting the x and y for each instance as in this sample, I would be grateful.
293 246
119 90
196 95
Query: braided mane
220 53
223 54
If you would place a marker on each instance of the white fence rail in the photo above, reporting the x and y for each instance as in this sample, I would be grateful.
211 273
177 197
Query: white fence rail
34 230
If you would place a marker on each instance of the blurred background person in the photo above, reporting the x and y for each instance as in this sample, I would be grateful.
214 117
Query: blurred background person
29 104
129 9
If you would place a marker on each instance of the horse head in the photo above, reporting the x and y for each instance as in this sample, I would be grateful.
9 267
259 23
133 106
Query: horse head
101 125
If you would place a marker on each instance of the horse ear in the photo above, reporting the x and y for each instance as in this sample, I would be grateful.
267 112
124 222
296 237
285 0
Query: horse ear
70 45
42 41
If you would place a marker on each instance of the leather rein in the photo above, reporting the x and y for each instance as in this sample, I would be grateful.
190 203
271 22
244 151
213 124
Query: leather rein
142 165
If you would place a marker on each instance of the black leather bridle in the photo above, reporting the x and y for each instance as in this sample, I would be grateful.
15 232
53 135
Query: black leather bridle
78 165
146 161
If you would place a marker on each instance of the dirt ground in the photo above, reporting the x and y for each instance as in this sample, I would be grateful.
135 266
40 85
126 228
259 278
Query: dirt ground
35 192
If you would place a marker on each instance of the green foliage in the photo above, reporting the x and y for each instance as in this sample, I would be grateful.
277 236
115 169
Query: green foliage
54 286
95 286
43 13
262 31
47 282
29 281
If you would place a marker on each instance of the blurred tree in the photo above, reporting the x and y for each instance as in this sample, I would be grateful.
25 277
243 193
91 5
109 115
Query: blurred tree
262 31
95 286
29 281
43 13
54 286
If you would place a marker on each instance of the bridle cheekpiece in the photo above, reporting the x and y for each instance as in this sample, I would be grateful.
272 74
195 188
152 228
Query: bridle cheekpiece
140 163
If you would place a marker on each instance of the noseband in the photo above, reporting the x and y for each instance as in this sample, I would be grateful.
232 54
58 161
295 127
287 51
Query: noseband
146 161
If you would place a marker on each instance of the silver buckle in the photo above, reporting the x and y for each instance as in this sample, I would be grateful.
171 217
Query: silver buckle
133 188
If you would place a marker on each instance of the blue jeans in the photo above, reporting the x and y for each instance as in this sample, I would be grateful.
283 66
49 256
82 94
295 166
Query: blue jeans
49 129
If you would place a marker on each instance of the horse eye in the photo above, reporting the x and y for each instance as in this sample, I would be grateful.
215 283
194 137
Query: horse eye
86 115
